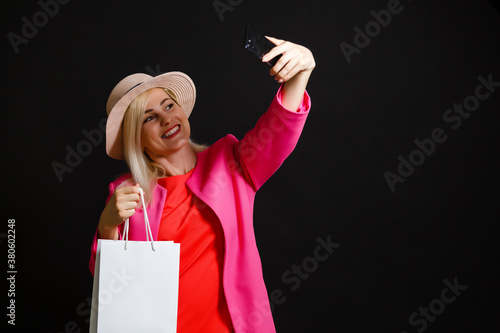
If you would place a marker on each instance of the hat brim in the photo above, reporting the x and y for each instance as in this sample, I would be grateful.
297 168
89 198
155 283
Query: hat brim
178 82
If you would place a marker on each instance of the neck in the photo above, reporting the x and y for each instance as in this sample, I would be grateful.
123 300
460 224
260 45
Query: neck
177 163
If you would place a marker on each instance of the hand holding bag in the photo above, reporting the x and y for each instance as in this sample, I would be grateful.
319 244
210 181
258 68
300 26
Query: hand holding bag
135 284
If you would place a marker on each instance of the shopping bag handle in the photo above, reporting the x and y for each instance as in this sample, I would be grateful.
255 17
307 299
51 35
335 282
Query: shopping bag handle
149 234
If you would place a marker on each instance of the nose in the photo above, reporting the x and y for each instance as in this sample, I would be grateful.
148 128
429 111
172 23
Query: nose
165 119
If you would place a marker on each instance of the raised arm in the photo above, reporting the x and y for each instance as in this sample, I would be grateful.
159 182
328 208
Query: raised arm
264 148
294 68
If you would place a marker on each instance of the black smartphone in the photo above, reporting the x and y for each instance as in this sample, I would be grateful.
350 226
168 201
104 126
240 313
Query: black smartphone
259 45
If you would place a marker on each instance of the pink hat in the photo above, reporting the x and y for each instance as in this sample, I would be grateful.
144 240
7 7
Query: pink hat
132 86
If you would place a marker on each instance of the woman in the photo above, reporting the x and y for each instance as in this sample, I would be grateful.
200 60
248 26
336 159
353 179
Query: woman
202 197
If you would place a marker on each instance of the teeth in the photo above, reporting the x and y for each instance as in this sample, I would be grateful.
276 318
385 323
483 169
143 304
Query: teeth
172 131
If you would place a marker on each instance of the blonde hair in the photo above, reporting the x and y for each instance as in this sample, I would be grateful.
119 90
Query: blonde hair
144 170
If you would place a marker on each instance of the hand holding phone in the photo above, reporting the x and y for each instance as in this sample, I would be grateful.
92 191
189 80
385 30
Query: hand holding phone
298 61
259 45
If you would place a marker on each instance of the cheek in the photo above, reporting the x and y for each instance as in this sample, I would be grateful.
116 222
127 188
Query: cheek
188 128
186 124
145 136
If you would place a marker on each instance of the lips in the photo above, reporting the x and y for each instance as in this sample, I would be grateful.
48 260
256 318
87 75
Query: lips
171 132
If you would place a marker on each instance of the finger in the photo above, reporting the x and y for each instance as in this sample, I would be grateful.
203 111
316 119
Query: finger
127 205
291 65
277 50
129 189
291 73
131 197
126 209
279 66
275 41
282 61
126 213
127 197
284 65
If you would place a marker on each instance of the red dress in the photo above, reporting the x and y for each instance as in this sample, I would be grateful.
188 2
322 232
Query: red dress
189 221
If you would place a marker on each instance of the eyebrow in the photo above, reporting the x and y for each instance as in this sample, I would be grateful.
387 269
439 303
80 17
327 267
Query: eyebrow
161 103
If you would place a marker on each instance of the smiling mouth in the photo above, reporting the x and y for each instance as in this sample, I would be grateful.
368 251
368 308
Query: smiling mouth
171 132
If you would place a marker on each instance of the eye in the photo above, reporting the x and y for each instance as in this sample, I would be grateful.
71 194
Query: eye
148 119
169 106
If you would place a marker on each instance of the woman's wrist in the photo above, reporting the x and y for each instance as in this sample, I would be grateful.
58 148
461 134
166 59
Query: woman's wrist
293 90
107 231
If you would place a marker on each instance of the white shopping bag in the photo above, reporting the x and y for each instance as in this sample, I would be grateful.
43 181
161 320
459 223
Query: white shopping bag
135 285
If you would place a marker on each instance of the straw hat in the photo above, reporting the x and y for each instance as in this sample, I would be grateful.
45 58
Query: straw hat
132 86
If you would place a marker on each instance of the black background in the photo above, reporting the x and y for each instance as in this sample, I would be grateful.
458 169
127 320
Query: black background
397 247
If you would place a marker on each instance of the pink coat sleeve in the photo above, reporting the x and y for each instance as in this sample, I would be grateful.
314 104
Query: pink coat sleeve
265 147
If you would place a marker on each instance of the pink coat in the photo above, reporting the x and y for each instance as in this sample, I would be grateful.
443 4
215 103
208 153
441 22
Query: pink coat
226 178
